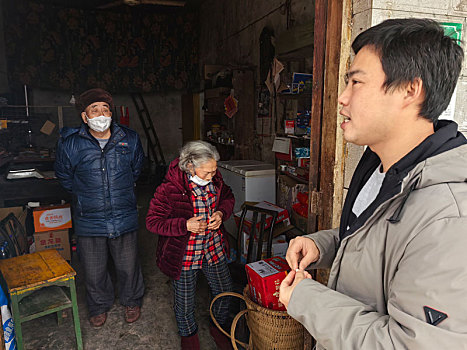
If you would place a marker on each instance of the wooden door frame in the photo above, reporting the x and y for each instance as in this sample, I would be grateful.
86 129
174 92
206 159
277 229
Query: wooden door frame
332 33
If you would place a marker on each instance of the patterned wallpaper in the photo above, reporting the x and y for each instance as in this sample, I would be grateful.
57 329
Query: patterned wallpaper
73 50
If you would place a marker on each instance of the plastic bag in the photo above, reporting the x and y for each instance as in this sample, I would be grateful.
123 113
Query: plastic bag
7 323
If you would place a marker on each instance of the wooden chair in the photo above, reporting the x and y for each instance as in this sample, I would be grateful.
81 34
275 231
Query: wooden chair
35 283
254 253
255 247
13 232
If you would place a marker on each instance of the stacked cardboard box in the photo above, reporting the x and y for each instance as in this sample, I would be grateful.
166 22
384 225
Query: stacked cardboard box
51 226
282 224
282 216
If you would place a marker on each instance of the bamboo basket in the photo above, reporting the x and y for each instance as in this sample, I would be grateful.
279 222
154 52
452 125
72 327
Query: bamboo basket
269 329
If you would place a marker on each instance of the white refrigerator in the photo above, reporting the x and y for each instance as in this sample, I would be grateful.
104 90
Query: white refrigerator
250 180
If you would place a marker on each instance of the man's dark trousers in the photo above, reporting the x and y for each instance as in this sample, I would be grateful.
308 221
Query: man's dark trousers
94 254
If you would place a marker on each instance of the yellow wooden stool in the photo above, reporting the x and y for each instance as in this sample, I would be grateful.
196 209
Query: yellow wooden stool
34 282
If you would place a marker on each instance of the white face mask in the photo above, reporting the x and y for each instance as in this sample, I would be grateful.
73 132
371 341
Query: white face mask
199 181
100 123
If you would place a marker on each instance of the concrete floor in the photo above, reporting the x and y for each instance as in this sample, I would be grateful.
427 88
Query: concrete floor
156 329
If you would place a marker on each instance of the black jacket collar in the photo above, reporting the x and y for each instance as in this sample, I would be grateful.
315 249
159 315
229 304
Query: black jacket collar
444 138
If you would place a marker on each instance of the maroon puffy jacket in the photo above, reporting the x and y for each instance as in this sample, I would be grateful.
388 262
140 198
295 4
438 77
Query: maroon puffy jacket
169 211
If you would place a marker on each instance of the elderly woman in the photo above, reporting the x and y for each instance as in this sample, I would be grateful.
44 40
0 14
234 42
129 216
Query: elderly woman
187 212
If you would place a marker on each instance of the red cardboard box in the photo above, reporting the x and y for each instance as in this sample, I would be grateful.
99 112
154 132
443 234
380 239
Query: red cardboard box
264 279
282 215
289 128
57 217
282 219
303 162
279 247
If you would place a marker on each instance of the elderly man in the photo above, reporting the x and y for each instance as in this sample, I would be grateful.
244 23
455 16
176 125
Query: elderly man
99 163
398 264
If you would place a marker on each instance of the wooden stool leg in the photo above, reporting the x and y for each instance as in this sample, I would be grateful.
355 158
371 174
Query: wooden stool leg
74 302
17 321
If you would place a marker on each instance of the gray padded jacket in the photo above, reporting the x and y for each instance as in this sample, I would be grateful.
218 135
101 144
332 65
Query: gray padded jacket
398 280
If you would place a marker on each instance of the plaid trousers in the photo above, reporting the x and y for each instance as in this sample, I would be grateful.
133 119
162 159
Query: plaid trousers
94 254
219 280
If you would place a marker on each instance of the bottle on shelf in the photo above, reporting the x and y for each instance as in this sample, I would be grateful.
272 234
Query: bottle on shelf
4 252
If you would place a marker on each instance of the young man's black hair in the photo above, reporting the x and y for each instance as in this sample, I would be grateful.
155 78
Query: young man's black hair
412 49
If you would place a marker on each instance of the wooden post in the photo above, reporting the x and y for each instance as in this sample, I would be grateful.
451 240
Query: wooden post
330 112
325 145
244 86
316 105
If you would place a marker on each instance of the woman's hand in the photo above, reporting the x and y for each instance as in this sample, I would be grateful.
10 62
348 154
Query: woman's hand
196 224
215 220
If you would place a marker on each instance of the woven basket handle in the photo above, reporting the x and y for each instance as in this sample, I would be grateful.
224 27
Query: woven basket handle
234 322
232 331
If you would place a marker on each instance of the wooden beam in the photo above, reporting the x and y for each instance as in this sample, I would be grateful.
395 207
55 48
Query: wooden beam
316 104
330 112
160 2
243 82
141 2
327 78
339 162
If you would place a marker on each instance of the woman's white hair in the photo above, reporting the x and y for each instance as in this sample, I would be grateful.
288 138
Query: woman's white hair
196 153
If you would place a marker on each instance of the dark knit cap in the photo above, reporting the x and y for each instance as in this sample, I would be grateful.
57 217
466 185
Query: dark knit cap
93 95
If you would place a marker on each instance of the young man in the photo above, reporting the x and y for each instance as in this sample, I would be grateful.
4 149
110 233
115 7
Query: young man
398 260
99 163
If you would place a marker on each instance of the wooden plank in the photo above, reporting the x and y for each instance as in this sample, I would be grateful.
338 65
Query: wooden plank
319 52
316 105
330 111
26 272
57 263
188 118
42 302
339 170
196 117
60 117
244 133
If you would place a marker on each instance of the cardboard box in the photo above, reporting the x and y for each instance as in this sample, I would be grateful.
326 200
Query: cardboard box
282 225
283 148
282 216
48 127
289 127
299 221
53 240
19 212
279 247
52 218
303 162
264 279
288 189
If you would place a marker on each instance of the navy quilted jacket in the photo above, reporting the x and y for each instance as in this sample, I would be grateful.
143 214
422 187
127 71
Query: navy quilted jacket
169 211
101 181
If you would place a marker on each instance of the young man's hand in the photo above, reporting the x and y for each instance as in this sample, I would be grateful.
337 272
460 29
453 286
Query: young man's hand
301 253
289 283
